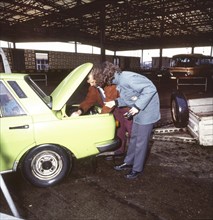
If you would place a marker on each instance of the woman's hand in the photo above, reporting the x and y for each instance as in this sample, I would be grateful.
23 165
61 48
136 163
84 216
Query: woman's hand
77 113
109 104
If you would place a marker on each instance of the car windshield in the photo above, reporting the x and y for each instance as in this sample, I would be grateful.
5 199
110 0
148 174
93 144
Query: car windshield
46 99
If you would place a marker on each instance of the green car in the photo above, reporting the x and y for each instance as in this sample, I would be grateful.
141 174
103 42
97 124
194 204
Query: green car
38 137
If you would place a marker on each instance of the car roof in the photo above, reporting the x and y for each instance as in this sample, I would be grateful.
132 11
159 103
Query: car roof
12 75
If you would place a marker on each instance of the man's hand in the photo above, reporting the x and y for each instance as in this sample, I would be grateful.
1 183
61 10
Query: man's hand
109 104
133 111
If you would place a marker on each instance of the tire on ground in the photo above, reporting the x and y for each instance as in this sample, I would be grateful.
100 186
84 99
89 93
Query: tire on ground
46 165
179 109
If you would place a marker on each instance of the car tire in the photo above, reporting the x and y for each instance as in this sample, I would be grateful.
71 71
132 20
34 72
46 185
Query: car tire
46 165
179 109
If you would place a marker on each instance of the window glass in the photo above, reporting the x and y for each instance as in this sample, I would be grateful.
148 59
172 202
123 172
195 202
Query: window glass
8 105
42 62
17 89
46 99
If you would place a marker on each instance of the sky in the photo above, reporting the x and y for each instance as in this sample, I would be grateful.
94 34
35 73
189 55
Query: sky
145 55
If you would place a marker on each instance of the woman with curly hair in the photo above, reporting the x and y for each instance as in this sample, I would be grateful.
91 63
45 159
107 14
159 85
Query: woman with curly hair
139 94
123 132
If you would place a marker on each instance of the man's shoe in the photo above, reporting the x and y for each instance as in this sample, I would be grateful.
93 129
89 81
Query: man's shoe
123 166
132 174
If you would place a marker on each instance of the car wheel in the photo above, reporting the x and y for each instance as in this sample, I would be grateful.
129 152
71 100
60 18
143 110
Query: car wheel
46 165
179 110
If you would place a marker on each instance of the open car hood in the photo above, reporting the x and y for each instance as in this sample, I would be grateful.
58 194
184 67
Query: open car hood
68 86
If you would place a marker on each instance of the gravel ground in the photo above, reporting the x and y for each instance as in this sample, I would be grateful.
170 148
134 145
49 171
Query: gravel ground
177 184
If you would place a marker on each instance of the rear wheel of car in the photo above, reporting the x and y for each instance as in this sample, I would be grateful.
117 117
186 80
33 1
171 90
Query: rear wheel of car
46 165
179 109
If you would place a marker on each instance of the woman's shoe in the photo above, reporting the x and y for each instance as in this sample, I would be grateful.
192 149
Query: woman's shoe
123 166
109 158
119 153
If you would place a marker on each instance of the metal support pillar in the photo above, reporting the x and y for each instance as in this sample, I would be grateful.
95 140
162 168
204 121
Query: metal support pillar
102 34
8 197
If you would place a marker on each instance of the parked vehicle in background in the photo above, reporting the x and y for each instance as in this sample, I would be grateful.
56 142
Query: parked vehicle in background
194 114
191 65
192 118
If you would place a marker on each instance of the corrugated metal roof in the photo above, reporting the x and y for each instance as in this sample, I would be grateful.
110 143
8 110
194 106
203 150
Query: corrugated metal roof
124 24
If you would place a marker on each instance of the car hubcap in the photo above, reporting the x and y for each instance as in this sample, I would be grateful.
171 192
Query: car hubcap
46 165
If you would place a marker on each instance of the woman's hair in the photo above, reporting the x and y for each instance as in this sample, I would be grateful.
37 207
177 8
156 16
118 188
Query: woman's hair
105 74
97 75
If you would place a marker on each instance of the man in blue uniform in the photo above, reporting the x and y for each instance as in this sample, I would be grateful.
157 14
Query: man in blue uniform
139 94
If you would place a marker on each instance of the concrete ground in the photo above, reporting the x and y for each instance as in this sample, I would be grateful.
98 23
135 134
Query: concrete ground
177 183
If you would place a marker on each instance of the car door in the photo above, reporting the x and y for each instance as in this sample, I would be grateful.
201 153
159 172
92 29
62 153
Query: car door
16 129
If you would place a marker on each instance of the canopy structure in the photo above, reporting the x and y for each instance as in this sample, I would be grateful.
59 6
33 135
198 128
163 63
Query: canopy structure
109 24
